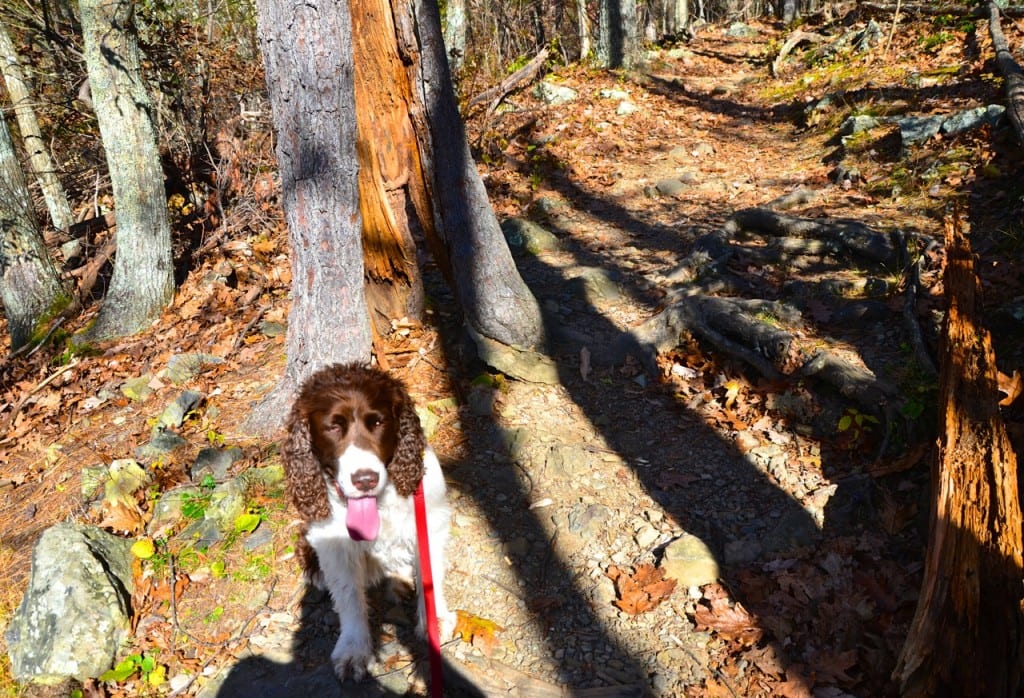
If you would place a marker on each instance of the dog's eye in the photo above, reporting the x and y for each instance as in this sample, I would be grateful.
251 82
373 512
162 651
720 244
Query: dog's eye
336 425
373 421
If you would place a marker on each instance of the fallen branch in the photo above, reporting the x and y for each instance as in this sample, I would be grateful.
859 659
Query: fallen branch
1011 71
795 39
497 93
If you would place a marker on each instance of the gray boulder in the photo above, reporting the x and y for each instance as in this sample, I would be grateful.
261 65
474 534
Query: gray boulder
75 614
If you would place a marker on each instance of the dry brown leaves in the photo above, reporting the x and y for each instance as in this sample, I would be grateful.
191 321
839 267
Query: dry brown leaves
642 590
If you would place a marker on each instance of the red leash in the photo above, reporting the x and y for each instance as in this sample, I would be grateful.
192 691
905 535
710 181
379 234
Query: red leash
427 578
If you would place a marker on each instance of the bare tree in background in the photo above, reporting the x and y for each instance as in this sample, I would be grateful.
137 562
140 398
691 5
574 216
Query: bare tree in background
29 283
39 155
143 279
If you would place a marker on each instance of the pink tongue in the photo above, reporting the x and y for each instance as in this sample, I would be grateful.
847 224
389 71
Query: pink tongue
362 518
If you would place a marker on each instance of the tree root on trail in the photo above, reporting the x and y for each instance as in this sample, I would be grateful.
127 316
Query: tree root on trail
841 235
1012 73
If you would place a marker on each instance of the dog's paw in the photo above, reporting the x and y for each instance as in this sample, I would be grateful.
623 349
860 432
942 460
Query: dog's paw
446 622
352 656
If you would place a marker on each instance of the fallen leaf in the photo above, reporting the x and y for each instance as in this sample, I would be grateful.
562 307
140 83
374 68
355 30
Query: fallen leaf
584 363
641 590
730 620
477 631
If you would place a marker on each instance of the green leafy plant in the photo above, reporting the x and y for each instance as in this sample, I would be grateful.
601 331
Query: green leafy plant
152 672
195 504
856 425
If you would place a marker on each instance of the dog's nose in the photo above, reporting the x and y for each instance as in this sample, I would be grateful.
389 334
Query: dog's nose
365 480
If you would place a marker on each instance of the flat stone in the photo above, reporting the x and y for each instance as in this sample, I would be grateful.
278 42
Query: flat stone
690 561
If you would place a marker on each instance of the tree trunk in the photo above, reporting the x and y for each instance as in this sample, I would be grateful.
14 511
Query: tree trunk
455 31
29 284
1012 73
966 637
496 302
677 16
393 197
143 278
307 53
618 42
39 157
583 24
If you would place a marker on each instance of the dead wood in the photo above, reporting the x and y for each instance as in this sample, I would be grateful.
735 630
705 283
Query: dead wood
1011 71
845 235
967 636
795 39
497 93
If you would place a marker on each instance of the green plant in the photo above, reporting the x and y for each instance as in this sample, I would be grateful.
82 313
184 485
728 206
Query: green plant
195 504
856 425
933 41
152 672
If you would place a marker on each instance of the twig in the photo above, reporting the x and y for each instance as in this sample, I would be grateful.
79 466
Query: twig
892 29
252 323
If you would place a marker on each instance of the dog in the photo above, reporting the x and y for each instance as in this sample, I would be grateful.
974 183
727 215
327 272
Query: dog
354 455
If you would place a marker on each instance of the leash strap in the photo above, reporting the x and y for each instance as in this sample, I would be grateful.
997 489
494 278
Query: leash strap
427 579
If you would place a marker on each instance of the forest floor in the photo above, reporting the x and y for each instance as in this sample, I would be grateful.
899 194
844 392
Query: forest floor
569 497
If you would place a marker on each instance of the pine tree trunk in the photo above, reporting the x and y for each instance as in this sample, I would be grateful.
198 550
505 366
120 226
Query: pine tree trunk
307 53
29 284
394 201
143 279
966 637
39 156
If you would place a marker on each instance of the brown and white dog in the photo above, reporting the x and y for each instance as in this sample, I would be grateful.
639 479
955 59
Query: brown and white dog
354 455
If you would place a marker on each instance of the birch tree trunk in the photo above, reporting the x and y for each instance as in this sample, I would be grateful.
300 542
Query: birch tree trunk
32 138
143 279
307 53
29 283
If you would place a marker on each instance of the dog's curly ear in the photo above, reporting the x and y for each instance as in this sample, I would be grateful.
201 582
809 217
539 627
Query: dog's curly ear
406 468
303 471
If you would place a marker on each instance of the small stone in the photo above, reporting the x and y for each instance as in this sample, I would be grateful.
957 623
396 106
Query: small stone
690 561
647 536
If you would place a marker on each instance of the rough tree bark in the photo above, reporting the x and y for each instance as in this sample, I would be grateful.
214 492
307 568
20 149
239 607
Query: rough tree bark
307 53
966 636
497 305
455 33
618 40
31 136
29 283
143 279
393 193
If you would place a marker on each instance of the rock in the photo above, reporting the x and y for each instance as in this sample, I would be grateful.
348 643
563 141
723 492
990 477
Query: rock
670 187
566 461
137 388
973 118
174 414
626 108
690 561
215 462
550 93
75 614
429 421
527 235
184 367
161 444
739 30
795 529
613 93
599 285
167 511
858 124
918 129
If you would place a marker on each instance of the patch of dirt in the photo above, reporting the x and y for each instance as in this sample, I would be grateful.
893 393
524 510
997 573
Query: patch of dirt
566 496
